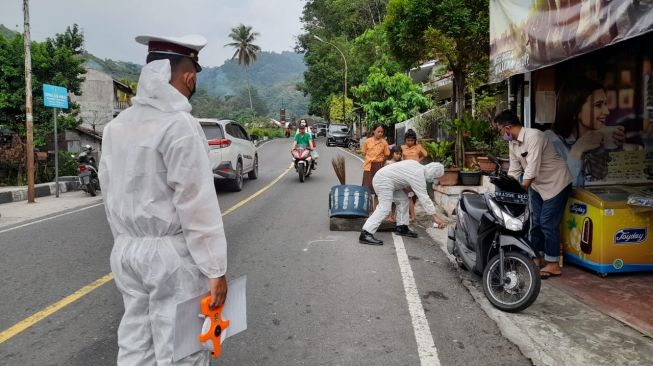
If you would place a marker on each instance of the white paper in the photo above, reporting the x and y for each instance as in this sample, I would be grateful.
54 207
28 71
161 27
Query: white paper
188 323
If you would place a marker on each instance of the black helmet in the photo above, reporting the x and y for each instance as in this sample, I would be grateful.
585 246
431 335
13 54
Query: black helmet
410 134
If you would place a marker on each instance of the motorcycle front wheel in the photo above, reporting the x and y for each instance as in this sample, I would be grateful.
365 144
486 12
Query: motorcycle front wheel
519 286
302 172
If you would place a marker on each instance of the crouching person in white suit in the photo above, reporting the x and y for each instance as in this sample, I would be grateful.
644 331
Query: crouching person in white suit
390 184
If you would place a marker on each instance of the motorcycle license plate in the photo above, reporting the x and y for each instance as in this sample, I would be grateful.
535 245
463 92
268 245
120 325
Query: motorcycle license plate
85 178
511 197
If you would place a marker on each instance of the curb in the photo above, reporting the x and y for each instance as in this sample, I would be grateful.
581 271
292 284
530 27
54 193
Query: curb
66 184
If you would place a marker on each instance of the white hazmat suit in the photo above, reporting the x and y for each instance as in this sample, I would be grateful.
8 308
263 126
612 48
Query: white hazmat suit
389 184
164 215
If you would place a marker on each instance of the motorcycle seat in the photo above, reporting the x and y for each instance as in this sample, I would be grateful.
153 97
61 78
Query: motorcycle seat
474 205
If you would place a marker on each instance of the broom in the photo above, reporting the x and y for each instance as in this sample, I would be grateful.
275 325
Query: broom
339 166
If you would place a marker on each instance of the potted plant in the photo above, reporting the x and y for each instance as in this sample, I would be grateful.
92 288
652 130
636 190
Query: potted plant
484 164
441 152
451 173
501 151
471 176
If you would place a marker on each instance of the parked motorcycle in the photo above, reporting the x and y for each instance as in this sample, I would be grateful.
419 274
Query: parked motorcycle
489 238
303 161
88 176
353 143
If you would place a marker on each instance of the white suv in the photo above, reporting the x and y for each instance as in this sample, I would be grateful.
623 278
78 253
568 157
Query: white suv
231 152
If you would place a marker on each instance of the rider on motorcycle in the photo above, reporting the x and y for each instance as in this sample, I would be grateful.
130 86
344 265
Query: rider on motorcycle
303 138
86 156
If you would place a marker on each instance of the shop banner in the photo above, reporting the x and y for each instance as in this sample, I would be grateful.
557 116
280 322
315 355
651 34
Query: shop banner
526 35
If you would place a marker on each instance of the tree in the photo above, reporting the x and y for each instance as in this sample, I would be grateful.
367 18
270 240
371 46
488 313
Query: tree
456 31
57 61
344 23
246 50
390 99
335 108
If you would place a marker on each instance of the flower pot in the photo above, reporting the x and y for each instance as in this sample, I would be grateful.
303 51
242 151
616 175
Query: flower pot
505 164
470 157
450 177
486 165
471 178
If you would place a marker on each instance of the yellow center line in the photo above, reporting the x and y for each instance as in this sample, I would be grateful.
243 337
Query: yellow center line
37 317
28 322
258 193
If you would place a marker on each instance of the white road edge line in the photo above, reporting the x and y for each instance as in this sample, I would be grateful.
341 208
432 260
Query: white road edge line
51 218
352 154
428 354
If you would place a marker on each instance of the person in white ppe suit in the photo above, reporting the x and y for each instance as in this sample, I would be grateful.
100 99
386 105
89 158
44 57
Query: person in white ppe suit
169 241
390 184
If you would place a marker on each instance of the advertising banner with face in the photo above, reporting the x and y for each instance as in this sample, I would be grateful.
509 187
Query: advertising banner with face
602 118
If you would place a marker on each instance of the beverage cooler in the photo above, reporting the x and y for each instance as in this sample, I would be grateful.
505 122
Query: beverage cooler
606 228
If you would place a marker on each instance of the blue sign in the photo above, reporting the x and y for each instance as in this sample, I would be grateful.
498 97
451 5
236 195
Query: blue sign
578 209
55 96
631 235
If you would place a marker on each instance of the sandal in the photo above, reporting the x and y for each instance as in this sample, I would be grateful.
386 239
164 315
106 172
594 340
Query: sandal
546 274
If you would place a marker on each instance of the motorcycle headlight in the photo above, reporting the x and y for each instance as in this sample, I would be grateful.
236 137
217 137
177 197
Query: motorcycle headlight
496 210
507 220
513 224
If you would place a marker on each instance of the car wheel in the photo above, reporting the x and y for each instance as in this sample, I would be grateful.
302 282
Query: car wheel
237 183
254 173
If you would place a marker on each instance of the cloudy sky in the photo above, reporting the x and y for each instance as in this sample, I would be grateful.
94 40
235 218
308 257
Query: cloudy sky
110 25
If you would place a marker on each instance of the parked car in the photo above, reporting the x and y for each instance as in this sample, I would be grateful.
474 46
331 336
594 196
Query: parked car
320 129
231 152
338 135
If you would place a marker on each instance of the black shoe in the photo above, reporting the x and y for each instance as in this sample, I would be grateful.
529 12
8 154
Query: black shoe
367 238
403 230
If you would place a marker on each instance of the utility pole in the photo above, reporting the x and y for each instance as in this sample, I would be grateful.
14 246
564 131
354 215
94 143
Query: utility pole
29 120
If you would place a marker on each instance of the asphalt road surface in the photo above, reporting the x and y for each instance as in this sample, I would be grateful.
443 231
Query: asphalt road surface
315 297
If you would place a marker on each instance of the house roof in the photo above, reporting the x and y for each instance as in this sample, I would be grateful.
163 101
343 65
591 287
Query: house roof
89 132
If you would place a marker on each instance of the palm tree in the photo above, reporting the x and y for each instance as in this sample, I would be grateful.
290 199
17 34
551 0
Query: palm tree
246 51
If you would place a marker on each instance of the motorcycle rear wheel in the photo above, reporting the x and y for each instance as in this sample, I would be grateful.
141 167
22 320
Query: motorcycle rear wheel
520 286
91 189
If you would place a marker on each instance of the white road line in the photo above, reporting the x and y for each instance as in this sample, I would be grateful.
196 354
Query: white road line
50 218
428 354
352 154
318 241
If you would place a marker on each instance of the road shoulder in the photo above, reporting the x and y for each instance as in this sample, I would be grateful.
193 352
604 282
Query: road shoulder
20 213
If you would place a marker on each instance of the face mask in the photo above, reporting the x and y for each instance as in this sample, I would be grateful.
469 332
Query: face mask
507 136
192 91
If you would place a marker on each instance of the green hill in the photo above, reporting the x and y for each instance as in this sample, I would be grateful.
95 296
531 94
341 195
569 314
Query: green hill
273 76
7 33
273 79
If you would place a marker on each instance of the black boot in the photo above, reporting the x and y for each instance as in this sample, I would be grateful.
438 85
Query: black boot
367 238
403 230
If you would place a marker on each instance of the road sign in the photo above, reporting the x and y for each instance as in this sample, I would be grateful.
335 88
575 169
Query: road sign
55 96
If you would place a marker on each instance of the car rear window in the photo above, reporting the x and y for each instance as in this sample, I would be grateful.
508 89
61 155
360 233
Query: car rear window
338 128
213 132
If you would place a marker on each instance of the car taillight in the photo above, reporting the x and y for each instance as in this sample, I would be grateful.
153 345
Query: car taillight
82 168
220 143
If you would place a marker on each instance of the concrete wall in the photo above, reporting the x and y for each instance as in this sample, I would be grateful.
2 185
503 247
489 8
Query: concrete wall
96 101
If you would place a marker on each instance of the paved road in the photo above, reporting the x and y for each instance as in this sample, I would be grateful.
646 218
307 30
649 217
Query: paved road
315 297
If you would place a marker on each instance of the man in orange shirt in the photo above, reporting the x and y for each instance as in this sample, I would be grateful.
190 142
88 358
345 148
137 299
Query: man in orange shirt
411 150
